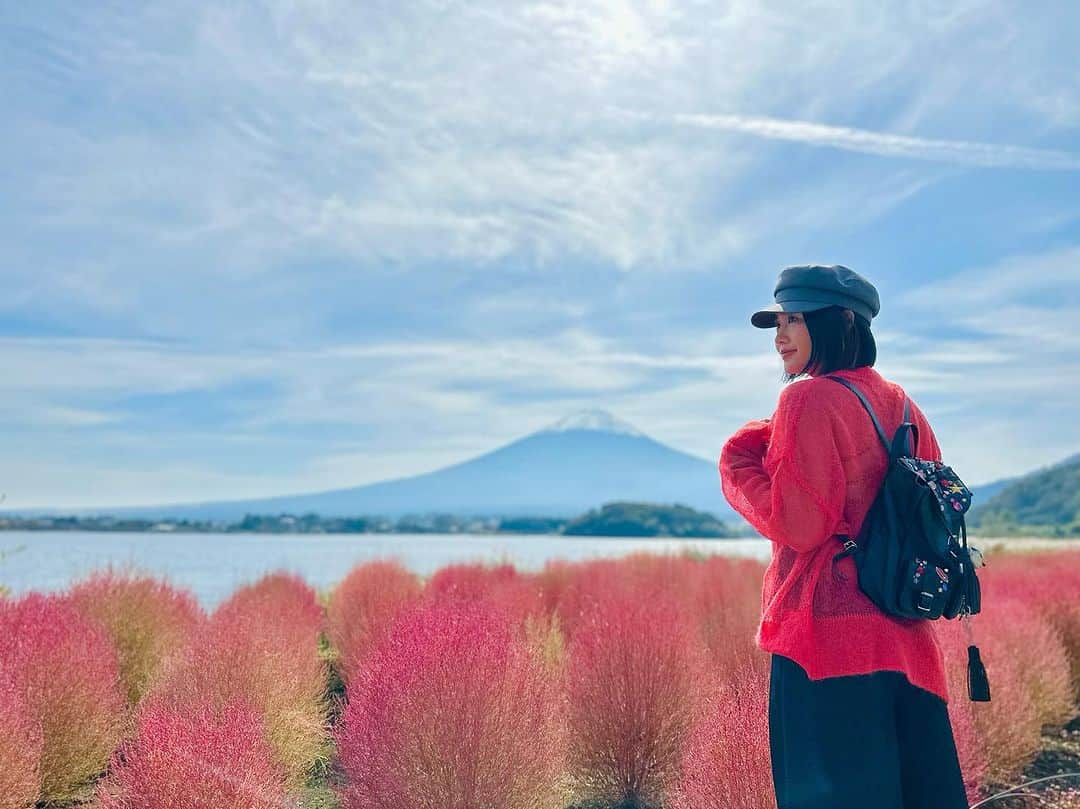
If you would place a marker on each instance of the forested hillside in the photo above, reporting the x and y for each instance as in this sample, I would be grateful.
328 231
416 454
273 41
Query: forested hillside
1045 502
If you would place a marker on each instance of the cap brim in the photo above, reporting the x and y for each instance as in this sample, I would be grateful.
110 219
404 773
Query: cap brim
766 318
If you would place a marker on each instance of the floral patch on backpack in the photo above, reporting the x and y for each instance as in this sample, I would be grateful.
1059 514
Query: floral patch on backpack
953 497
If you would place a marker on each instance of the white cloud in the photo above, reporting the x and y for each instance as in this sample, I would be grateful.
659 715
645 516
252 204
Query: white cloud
965 153
1009 388
1052 277
58 482
489 132
249 177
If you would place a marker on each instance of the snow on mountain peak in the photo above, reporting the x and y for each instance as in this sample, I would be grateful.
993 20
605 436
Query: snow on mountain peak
593 420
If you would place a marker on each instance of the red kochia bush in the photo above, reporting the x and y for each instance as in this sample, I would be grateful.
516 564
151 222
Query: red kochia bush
199 757
20 751
282 598
724 596
147 620
1048 581
636 672
1045 670
64 670
468 581
969 745
518 595
1007 728
574 590
571 591
665 573
726 762
261 648
362 607
451 711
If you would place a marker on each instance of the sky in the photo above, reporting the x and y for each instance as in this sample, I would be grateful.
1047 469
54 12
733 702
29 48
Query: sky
278 247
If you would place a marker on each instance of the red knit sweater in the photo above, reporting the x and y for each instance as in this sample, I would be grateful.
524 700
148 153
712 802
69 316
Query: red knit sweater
800 477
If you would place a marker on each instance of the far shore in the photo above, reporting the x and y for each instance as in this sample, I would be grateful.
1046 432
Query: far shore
987 544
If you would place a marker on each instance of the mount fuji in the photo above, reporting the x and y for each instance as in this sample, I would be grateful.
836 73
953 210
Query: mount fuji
577 463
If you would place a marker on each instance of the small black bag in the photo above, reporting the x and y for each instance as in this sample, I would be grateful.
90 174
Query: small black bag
912 555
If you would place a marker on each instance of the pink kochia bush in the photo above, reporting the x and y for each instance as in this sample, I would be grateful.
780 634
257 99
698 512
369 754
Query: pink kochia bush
1029 684
469 581
199 757
20 751
63 669
146 619
519 596
283 597
260 648
1049 582
573 590
636 673
452 711
1028 637
727 762
969 746
362 607
724 596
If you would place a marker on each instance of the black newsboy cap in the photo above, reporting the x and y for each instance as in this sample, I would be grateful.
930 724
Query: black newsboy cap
806 287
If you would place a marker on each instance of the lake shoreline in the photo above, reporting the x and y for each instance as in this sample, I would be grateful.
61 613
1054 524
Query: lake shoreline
212 565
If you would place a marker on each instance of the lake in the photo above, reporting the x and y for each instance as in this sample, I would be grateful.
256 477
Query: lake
213 565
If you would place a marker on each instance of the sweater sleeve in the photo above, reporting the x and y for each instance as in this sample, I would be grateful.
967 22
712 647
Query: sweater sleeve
793 491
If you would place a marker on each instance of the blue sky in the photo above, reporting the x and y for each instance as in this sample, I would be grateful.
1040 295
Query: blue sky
291 246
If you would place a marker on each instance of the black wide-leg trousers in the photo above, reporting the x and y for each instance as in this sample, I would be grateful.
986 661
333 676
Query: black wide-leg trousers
867 741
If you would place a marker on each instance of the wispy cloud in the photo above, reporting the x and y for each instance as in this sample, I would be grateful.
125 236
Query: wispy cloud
290 133
1052 278
964 153
985 348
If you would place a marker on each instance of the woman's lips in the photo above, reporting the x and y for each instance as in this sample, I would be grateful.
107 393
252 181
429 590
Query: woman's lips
785 354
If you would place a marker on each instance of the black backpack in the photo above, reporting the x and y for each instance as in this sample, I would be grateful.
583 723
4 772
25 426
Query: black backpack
911 553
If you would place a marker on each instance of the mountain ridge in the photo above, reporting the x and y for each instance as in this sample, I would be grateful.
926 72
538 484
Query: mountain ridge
1044 501
562 470
569 467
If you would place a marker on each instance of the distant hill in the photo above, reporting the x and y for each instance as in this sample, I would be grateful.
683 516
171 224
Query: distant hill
647 520
984 492
561 471
1046 501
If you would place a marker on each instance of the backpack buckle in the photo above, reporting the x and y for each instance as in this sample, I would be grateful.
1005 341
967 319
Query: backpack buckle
926 600
850 547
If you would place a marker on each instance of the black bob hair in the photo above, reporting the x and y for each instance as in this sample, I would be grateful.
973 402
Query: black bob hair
836 343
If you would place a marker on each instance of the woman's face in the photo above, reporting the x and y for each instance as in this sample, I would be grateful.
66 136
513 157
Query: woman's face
792 341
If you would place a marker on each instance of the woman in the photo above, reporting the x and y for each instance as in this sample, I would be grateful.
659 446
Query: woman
857 698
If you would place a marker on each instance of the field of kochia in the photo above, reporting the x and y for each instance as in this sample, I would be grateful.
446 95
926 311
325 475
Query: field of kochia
629 682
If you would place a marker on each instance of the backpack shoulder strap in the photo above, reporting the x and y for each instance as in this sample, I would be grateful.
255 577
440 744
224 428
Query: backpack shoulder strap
877 424
907 434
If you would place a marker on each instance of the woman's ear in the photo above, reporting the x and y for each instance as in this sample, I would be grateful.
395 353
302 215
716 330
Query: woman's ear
850 315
